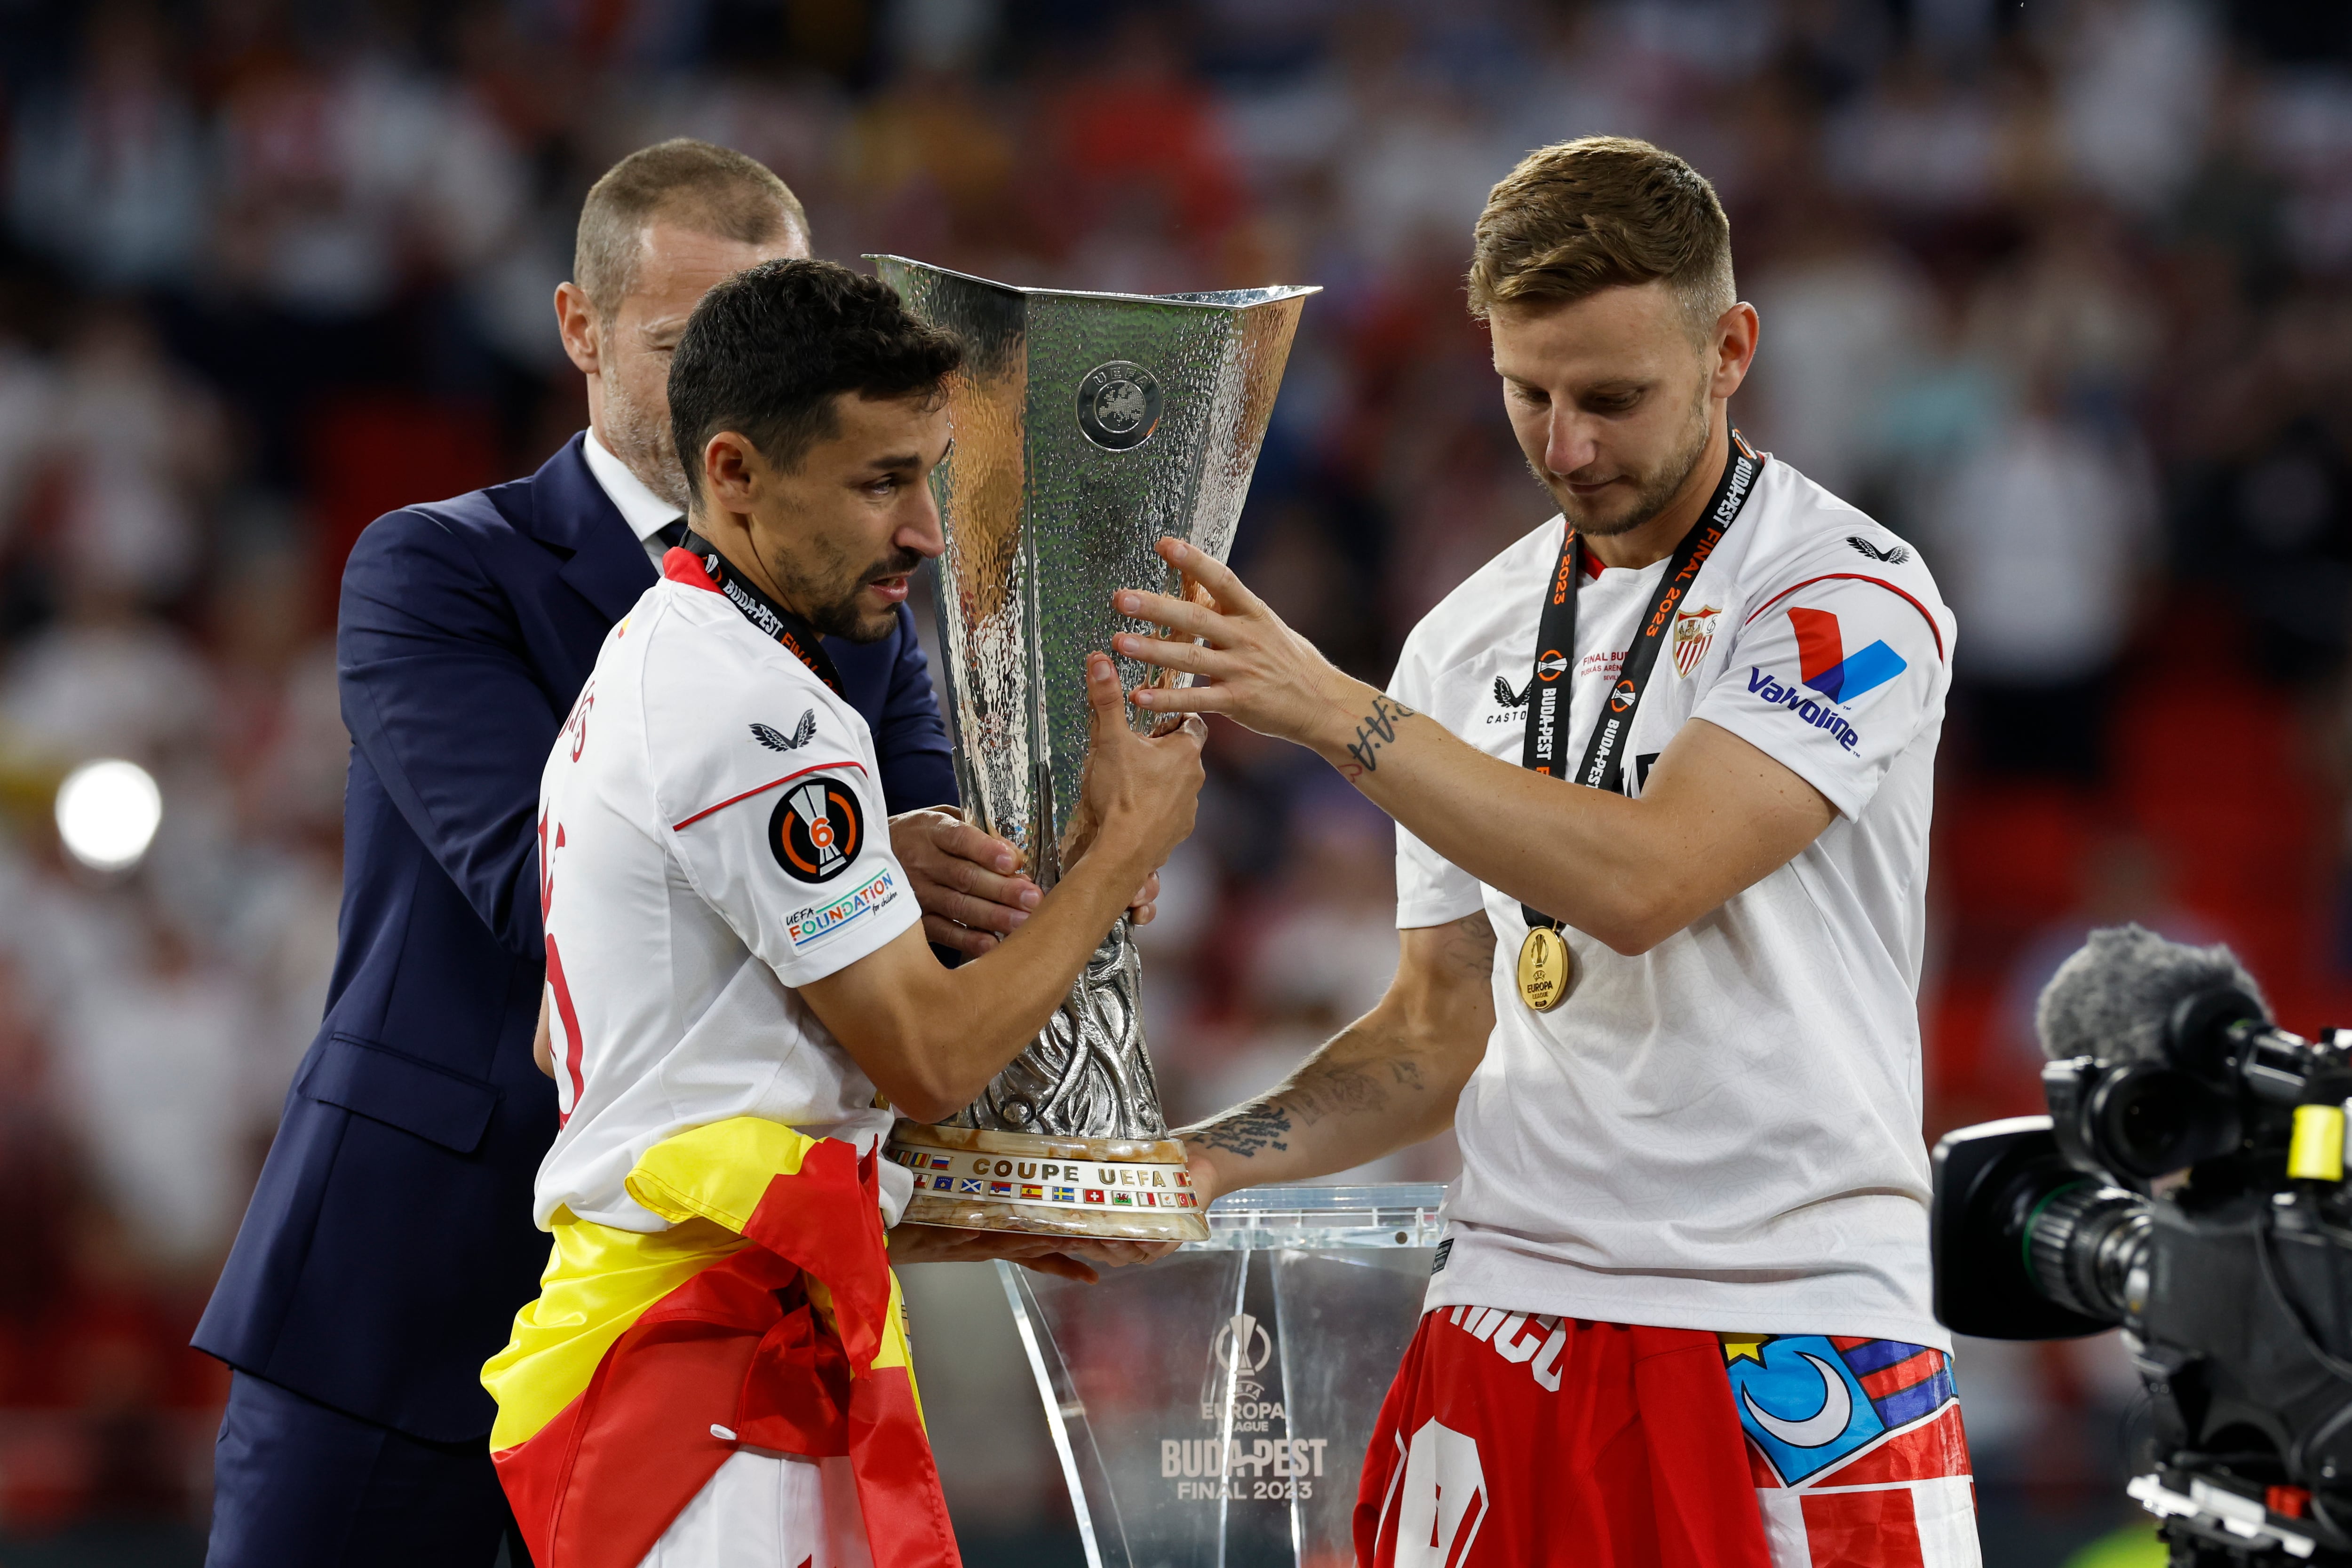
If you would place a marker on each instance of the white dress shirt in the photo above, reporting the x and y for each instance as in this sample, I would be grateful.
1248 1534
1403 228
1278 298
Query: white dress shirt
645 512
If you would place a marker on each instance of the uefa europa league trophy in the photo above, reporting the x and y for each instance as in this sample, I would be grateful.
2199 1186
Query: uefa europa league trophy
1086 427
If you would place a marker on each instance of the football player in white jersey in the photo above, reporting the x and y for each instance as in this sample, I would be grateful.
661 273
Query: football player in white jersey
1662 775
743 995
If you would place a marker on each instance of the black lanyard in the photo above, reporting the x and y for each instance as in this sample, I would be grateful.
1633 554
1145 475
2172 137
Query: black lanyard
1603 767
800 639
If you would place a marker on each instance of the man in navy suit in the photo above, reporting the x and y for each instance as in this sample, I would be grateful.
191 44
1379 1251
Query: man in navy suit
390 1241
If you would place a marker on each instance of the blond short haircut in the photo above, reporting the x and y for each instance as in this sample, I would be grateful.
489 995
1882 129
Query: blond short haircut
1601 212
708 189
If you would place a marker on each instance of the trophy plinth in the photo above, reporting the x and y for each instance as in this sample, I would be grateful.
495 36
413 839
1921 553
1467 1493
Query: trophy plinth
1127 1189
1214 1410
1087 426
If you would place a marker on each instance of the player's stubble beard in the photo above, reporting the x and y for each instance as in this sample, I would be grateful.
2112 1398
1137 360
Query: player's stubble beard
1654 491
824 589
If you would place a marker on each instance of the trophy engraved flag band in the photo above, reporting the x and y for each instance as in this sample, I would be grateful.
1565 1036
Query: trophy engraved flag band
1087 426
1134 1190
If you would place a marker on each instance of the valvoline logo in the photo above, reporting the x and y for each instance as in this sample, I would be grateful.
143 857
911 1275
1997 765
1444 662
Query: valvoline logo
1829 669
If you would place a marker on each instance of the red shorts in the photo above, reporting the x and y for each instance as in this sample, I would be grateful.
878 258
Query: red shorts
1509 1439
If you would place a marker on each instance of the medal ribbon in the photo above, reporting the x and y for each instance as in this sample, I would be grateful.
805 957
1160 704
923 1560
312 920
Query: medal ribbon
800 639
1603 767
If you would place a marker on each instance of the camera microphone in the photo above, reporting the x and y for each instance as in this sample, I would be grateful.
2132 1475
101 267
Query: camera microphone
2128 995
2148 1040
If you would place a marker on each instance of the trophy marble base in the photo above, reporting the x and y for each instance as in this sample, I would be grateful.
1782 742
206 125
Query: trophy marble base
1124 1189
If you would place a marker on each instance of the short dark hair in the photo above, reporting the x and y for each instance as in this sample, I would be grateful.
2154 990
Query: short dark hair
1598 213
768 351
702 186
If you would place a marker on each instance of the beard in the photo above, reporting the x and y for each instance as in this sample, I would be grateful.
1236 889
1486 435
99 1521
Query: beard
1653 491
828 588
642 439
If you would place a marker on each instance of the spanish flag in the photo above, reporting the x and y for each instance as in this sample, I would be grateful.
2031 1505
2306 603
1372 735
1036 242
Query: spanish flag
767 1310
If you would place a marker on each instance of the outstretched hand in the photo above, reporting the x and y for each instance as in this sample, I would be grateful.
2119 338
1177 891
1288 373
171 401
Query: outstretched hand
1255 670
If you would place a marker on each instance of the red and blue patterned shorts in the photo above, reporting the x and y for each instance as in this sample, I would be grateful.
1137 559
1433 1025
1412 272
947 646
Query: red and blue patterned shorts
1511 1438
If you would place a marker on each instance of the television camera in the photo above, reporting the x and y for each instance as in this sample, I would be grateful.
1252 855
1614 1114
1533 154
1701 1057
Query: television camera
2188 1186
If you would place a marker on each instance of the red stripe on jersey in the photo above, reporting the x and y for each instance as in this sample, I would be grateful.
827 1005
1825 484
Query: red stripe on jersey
1848 1342
1933 630
771 784
1819 649
1887 1380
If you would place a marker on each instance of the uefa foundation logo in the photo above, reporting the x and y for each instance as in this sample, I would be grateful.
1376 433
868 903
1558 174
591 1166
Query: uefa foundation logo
1118 405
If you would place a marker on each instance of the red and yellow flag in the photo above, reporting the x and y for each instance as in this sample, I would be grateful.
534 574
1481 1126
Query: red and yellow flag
768 1310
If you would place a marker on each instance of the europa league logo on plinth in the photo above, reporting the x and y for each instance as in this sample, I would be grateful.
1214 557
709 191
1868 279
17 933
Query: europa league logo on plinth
1087 426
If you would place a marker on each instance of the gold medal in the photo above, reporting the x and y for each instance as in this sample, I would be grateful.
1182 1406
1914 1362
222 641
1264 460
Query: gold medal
1544 968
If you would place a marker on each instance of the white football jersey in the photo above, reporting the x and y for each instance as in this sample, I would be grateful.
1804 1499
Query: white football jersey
711 836
1723 1132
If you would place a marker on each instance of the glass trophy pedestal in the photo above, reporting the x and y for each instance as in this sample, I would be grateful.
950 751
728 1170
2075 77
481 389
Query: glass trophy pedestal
1210 1410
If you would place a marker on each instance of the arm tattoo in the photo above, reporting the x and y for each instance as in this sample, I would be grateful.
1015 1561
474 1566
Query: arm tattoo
1323 1089
1374 730
1469 948
1245 1130
1334 1088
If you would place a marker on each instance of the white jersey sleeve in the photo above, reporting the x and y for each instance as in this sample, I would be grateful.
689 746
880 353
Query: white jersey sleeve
778 823
1834 675
1430 889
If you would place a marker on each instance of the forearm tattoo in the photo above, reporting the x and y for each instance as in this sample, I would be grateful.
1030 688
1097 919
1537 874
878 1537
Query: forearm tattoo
1378 1062
1336 1088
1245 1130
1374 730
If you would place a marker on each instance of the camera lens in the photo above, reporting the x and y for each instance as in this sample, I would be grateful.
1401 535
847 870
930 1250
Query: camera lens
2086 1247
2146 1121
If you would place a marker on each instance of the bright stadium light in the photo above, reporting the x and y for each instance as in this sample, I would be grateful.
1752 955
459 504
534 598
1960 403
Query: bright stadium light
107 813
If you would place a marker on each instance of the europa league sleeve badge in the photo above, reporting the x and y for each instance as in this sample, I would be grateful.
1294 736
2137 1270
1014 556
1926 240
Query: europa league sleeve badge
1546 968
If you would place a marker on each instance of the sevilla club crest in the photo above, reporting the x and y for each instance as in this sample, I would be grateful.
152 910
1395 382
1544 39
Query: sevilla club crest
1693 635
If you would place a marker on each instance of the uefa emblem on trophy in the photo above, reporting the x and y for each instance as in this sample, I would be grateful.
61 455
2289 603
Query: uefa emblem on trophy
1087 426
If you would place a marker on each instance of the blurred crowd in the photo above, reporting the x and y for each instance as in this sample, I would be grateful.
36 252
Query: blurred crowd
2058 292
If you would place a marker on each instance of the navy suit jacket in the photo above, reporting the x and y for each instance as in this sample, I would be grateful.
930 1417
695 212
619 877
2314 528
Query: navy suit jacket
390 1241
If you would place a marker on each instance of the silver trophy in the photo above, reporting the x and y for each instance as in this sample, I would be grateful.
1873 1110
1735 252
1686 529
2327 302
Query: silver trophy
1087 426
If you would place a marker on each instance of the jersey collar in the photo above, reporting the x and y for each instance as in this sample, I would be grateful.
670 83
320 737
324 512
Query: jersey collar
698 564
